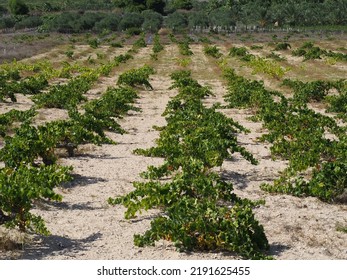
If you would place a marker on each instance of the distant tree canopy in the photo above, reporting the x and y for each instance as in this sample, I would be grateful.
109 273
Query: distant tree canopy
150 15
152 20
3 10
176 21
140 5
182 4
18 7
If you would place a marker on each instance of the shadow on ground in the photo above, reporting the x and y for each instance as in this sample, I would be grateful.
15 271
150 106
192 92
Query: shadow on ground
54 245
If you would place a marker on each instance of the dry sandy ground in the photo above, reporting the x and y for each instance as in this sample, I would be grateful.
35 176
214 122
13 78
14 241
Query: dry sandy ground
84 226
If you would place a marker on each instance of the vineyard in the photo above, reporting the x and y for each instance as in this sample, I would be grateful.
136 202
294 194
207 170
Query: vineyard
175 150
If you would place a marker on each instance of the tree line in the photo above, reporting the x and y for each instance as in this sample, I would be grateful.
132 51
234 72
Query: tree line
150 15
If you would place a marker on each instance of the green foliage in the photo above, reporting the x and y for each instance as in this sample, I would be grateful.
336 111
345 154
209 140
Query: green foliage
256 47
223 17
199 19
3 10
114 103
122 58
338 103
212 51
18 7
157 47
21 187
244 93
156 5
94 43
140 42
297 134
275 57
282 46
341 228
11 83
241 52
116 45
69 54
109 22
152 21
14 116
29 22
184 48
310 91
327 182
7 22
67 95
259 64
130 20
182 4
309 51
30 153
176 21
136 77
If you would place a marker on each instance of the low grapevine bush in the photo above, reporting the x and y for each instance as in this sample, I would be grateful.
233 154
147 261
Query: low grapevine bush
309 51
240 52
21 187
157 47
14 116
212 51
184 48
136 77
259 64
282 46
310 91
122 58
114 103
67 95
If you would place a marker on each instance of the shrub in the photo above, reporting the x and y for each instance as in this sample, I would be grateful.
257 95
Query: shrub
198 19
156 5
130 20
29 22
18 7
3 10
7 22
109 22
176 21
212 51
282 46
221 17
182 4
88 20
152 21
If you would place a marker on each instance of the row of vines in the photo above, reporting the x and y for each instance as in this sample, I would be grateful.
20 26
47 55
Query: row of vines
31 151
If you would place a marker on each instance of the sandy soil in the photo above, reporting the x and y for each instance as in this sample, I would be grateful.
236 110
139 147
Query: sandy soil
84 226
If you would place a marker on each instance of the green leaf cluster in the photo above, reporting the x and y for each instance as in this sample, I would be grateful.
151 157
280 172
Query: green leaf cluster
309 51
259 64
136 77
68 95
21 187
212 51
